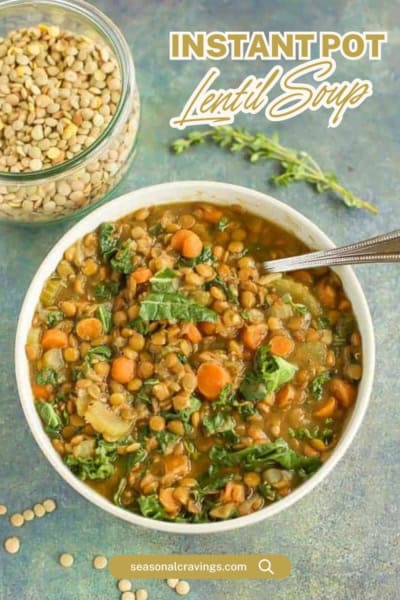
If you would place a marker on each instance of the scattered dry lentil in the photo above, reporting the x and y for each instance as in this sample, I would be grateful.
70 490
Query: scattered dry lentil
49 505
182 588
172 583
17 520
39 510
3 510
141 594
128 596
12 544
124 585
28 514
100 562
66 560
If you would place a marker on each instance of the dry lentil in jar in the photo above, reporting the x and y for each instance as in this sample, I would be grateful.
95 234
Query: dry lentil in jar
188 399
59 91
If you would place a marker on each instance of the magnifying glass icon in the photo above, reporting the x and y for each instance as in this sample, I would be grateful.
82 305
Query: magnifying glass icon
264 565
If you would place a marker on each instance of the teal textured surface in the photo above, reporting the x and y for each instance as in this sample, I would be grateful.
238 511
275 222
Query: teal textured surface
343 538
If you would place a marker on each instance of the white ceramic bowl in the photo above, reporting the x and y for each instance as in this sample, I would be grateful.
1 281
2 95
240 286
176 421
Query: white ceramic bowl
219 193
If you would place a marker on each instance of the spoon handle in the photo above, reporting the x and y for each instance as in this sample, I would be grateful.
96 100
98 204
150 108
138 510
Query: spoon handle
379 249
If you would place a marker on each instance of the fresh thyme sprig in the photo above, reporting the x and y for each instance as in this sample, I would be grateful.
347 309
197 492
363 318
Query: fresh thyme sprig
295 165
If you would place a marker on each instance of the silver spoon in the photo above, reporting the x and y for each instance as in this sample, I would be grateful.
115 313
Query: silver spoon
380 249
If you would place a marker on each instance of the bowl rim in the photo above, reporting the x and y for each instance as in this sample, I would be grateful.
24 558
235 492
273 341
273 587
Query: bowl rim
116 209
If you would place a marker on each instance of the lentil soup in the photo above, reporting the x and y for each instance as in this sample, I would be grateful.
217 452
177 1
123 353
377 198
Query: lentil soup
179 381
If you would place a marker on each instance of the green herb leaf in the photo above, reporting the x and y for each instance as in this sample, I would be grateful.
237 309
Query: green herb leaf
317 385
300 309
100 353
98 466
156 230
122 260
182 358
212 484
151 507
50 417
184 414
225 397
54 317
343 330
305 433
108 241
323 323
47 376
143 395
246 409
166 440
106 290
219 282
223 224
221 424
267 491
206 256
119 491
139 325
270 373
164 281
136 457
165 306
253 387
263 455
105 315
295 165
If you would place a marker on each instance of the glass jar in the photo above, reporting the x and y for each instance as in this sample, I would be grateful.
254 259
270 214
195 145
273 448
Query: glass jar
75 185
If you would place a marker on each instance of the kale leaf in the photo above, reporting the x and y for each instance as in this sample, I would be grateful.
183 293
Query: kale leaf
317 385
264 455
108 241
105 315
106 290
53 317
47 376
165 280
159 306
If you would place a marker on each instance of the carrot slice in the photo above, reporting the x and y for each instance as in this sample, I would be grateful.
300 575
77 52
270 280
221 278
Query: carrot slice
169 502
208 328
253 335
123 369
192 333
41 392
54 338
233 492
211 214
176 463
326 409
178 238
281 345
285 395
89 329
344 391
192 246
211 378
187 243
142 275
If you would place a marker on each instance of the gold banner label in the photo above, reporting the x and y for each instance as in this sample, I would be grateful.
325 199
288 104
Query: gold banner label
200 566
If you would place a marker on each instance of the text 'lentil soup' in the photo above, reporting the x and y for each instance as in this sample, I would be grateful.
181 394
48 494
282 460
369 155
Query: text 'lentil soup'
179 381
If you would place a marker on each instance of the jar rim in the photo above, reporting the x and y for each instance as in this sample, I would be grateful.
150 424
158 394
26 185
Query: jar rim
115 38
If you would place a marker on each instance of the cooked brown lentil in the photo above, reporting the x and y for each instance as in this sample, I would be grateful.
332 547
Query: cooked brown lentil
200 388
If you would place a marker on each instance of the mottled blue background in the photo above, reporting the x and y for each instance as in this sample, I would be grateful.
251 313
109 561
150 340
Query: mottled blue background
343 539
